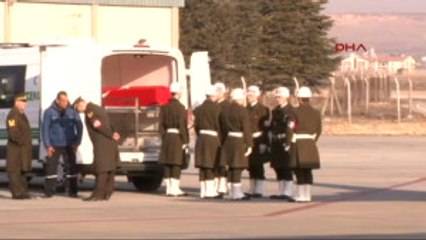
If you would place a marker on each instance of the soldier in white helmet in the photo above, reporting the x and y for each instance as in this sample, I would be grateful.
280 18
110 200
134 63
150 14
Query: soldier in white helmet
235 124
305 155
220 169
175 138
281 127
259 118
207 145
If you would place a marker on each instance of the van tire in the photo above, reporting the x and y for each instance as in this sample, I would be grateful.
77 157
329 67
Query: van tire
146 184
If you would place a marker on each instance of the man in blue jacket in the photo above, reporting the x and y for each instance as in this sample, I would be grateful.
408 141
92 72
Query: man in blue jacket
62 131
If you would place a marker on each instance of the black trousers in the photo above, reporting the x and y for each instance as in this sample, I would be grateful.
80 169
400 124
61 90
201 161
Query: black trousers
257 172
206 174
104 184
172 171
71 170
284 174
220 172
234 175
304 176
18 184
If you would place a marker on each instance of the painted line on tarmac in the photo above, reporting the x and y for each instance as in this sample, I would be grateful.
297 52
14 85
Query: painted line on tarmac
342 199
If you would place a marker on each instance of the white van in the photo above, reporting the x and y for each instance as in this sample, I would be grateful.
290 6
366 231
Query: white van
131 82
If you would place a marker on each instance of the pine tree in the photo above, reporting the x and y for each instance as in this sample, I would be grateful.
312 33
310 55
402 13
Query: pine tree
267 41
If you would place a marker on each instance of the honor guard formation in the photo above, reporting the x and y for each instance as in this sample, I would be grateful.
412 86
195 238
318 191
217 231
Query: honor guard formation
233 133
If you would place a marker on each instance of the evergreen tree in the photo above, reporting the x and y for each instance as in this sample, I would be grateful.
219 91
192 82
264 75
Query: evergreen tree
267 41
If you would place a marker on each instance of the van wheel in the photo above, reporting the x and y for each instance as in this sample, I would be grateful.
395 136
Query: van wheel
146 184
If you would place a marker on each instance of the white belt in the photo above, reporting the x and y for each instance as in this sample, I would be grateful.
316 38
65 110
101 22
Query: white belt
209 132
235 134
257 134
303 136
280 136
173 130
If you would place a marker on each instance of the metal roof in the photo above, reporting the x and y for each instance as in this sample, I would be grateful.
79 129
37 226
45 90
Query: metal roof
138 3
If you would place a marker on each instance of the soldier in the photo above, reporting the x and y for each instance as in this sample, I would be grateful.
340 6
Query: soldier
235 124
305 155
175 138
19 148
105 148
259 117
221 174
281 125
207 145
62 130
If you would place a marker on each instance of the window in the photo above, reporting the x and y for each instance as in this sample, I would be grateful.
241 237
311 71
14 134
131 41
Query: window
12 81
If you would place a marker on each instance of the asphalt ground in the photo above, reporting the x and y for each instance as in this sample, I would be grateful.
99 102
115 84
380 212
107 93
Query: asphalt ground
367 188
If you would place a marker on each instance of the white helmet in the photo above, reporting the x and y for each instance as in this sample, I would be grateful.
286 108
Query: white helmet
282 92
220 87
176 87
253 90
238 94
304 92
211 90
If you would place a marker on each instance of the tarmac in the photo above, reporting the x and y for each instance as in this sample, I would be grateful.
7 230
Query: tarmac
367 188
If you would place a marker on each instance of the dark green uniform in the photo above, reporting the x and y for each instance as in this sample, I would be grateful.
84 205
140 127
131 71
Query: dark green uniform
19 152
305 155
105 149
207 145
281 127
174 131
235 119
259 115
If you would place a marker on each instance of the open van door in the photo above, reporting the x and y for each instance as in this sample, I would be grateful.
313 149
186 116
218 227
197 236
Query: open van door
75 70
200 78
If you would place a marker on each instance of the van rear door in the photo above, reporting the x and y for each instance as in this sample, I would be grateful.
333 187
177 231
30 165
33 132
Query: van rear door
76 70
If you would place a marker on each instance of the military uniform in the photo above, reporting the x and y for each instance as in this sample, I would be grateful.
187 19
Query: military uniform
105 149
259 117
235 124
19 153
220 168
305 155
174 132
281 127
207 145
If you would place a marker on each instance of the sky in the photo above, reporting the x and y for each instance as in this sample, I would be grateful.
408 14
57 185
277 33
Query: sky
375 6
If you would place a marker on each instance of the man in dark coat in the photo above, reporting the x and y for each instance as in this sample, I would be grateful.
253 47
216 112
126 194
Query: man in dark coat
105 148
281 127
62 130
305 155
259 118
19 148
175 138
220 168
207 145
235 124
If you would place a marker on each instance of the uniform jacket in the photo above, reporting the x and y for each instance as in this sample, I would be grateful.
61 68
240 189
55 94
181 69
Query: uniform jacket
61 128
259 116
235 118
305 152
281 124
173 116
206 146
105 148
19 145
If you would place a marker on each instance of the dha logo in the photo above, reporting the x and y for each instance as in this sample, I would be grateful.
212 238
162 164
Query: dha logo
345 47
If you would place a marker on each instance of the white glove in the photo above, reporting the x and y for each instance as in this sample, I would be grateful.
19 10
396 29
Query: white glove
286 147
262 148
248 152
184 146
